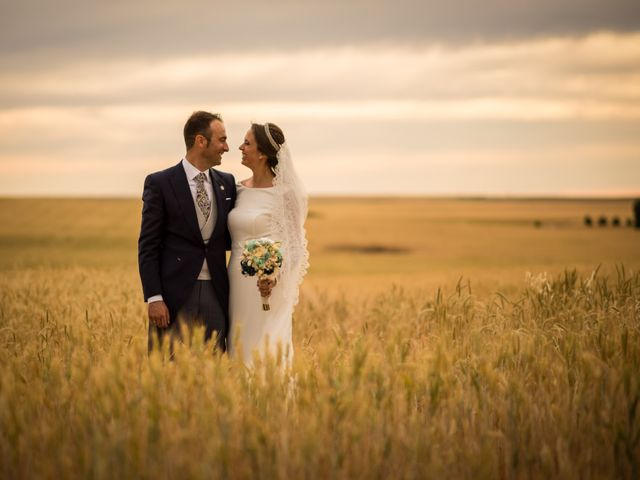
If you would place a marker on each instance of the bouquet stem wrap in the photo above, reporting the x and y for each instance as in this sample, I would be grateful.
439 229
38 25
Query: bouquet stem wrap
261 258
265 304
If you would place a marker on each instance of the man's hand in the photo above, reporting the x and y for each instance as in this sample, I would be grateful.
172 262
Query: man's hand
265 286
159 314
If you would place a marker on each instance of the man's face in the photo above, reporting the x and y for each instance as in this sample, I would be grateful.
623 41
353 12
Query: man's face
217 144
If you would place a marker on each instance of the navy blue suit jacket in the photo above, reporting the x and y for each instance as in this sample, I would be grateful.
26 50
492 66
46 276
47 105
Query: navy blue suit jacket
170 248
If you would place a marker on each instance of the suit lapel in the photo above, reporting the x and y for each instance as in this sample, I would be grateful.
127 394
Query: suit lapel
182 191
219 194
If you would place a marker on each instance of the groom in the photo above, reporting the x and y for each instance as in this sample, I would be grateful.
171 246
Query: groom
184 236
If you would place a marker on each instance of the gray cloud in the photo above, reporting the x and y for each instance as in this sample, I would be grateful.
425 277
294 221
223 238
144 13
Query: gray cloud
106 87
53 31
601 68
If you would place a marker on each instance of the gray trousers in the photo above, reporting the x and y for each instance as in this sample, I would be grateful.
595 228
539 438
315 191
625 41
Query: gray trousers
201 309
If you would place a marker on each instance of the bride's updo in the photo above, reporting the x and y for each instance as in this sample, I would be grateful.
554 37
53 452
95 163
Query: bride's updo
266 144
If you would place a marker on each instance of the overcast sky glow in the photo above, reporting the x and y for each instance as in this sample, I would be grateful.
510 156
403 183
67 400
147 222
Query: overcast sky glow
400 97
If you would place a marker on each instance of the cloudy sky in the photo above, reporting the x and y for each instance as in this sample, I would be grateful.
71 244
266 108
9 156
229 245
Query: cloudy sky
403 97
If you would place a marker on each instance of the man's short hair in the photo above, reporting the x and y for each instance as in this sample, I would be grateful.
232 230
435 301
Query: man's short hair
199 123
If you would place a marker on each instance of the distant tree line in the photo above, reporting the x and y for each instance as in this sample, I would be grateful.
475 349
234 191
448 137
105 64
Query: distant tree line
603 221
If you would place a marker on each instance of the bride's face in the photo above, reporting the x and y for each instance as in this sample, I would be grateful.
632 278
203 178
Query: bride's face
251 157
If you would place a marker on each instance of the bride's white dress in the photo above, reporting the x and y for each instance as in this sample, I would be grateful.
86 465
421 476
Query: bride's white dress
252 329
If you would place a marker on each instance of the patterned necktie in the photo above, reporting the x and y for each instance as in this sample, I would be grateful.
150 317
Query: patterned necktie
202 199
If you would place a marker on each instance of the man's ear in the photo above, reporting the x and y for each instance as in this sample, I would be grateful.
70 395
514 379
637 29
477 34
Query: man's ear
199 141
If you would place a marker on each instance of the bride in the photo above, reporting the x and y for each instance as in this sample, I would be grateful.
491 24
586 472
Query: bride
271 204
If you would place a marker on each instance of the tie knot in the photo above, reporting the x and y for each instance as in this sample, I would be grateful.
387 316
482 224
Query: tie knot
200 178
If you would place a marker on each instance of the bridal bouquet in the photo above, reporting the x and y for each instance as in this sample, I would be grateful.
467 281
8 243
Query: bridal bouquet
262 258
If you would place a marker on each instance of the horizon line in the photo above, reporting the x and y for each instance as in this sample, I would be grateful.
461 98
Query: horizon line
354 196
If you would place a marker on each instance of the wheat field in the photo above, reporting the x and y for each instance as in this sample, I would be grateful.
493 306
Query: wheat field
435 338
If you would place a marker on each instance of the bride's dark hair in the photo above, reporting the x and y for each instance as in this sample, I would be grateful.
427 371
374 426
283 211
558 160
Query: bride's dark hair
264 145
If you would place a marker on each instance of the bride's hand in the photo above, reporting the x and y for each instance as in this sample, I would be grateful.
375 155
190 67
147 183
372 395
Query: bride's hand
265 286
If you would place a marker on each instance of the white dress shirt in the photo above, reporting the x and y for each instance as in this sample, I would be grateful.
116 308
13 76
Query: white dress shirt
192 172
